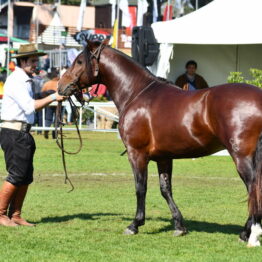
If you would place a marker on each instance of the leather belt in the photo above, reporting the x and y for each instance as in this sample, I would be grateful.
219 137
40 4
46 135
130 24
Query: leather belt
16 125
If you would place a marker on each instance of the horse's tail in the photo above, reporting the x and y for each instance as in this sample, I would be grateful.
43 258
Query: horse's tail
255 195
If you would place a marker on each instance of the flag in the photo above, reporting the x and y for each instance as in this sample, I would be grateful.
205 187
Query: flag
81 15
115 32
113 11
168 12
126 20
155 11
142 6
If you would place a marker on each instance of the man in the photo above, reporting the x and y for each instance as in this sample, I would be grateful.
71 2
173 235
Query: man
18 108
190 80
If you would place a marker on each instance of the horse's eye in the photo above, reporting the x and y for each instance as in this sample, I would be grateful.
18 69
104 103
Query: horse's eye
79 62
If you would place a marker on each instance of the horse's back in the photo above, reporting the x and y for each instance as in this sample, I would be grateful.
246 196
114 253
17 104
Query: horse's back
170 122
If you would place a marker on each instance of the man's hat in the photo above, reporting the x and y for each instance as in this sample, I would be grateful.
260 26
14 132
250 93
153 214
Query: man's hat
28 50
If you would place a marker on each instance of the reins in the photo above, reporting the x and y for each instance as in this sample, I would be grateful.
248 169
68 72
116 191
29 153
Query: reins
60 136
59 121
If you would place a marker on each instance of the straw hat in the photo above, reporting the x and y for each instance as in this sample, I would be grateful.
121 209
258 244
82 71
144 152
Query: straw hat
28 50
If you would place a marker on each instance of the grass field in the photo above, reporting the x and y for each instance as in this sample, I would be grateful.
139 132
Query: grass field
87 224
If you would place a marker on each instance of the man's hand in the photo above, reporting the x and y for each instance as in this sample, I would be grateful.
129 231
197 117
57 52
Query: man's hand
40 103
60 98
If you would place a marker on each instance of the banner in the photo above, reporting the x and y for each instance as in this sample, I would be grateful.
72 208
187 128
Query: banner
115 32
92 35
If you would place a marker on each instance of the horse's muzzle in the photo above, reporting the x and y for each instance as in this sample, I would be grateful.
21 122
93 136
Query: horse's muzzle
67 91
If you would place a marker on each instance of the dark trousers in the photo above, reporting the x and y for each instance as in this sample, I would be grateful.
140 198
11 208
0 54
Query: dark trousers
49 115
19 148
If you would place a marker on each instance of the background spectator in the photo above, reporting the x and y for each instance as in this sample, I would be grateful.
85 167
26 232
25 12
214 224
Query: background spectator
51 87
190 80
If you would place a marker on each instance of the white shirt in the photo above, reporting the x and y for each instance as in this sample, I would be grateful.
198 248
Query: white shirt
18 103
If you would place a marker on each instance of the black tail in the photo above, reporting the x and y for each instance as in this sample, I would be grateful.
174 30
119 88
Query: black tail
255 196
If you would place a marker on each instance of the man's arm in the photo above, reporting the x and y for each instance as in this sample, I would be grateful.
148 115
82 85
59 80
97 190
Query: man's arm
41 103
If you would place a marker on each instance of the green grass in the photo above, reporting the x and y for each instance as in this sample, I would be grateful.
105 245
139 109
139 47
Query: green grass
87 224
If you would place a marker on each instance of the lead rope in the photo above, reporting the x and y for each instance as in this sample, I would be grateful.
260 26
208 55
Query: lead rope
59 123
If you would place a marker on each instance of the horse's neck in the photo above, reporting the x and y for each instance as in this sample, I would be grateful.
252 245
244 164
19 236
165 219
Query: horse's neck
123 77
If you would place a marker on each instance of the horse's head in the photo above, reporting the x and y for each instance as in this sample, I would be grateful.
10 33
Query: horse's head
84 71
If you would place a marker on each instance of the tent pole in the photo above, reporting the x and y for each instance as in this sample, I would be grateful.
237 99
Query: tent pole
60 44
196 4
237 58
8 35
168 10
37 24
118 22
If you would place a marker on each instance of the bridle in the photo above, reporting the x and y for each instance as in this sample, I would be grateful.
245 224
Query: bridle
94 55
78 94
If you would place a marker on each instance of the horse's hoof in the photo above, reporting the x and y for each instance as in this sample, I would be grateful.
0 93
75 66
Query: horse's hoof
179 233
241 240
257 244
129 232
243 237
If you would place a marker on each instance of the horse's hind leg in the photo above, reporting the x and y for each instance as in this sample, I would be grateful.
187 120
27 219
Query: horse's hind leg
246 172
165 179
139 165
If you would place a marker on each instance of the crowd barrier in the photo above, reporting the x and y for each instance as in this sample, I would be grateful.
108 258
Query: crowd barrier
97 108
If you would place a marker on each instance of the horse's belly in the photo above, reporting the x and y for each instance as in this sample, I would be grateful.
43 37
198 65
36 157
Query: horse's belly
185 149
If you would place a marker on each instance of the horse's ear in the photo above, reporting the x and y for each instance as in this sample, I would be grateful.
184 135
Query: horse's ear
106 41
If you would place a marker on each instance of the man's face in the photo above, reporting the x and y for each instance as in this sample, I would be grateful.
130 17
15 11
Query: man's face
30 65
191 70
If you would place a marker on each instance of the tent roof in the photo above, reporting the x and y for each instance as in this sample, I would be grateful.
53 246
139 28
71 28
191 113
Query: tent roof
220 22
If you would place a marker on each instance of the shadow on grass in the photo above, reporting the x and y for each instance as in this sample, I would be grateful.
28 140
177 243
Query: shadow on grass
83 216
200 226
192 225
196 226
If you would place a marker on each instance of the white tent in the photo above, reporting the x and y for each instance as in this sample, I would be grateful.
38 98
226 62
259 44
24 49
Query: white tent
222 36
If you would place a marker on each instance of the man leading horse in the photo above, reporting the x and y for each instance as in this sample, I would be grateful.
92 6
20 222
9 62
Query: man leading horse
17 115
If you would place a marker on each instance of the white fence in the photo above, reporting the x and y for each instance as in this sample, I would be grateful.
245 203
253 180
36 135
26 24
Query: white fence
98 108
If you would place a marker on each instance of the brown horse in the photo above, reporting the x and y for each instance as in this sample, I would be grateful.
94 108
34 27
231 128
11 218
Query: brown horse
160 122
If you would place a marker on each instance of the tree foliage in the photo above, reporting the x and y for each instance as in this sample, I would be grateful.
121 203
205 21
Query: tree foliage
237 77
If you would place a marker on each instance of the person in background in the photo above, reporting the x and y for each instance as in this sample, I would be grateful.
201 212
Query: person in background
2 80
17 114
38 83
104 116
51 87
11 66
190 80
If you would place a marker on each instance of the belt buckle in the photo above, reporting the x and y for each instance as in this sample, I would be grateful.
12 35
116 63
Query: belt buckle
25 127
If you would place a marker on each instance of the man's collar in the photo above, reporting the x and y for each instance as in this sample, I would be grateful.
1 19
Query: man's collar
22 72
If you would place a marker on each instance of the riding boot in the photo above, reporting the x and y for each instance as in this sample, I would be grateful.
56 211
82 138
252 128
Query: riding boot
6 194
16 206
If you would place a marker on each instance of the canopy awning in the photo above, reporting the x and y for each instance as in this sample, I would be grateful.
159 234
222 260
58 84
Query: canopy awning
4 38
226 22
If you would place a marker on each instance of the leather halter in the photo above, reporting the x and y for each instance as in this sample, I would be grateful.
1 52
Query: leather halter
93 55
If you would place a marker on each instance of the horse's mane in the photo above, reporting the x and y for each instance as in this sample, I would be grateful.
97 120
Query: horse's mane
144 69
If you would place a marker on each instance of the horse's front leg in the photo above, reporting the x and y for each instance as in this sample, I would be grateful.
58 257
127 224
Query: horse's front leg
139 164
